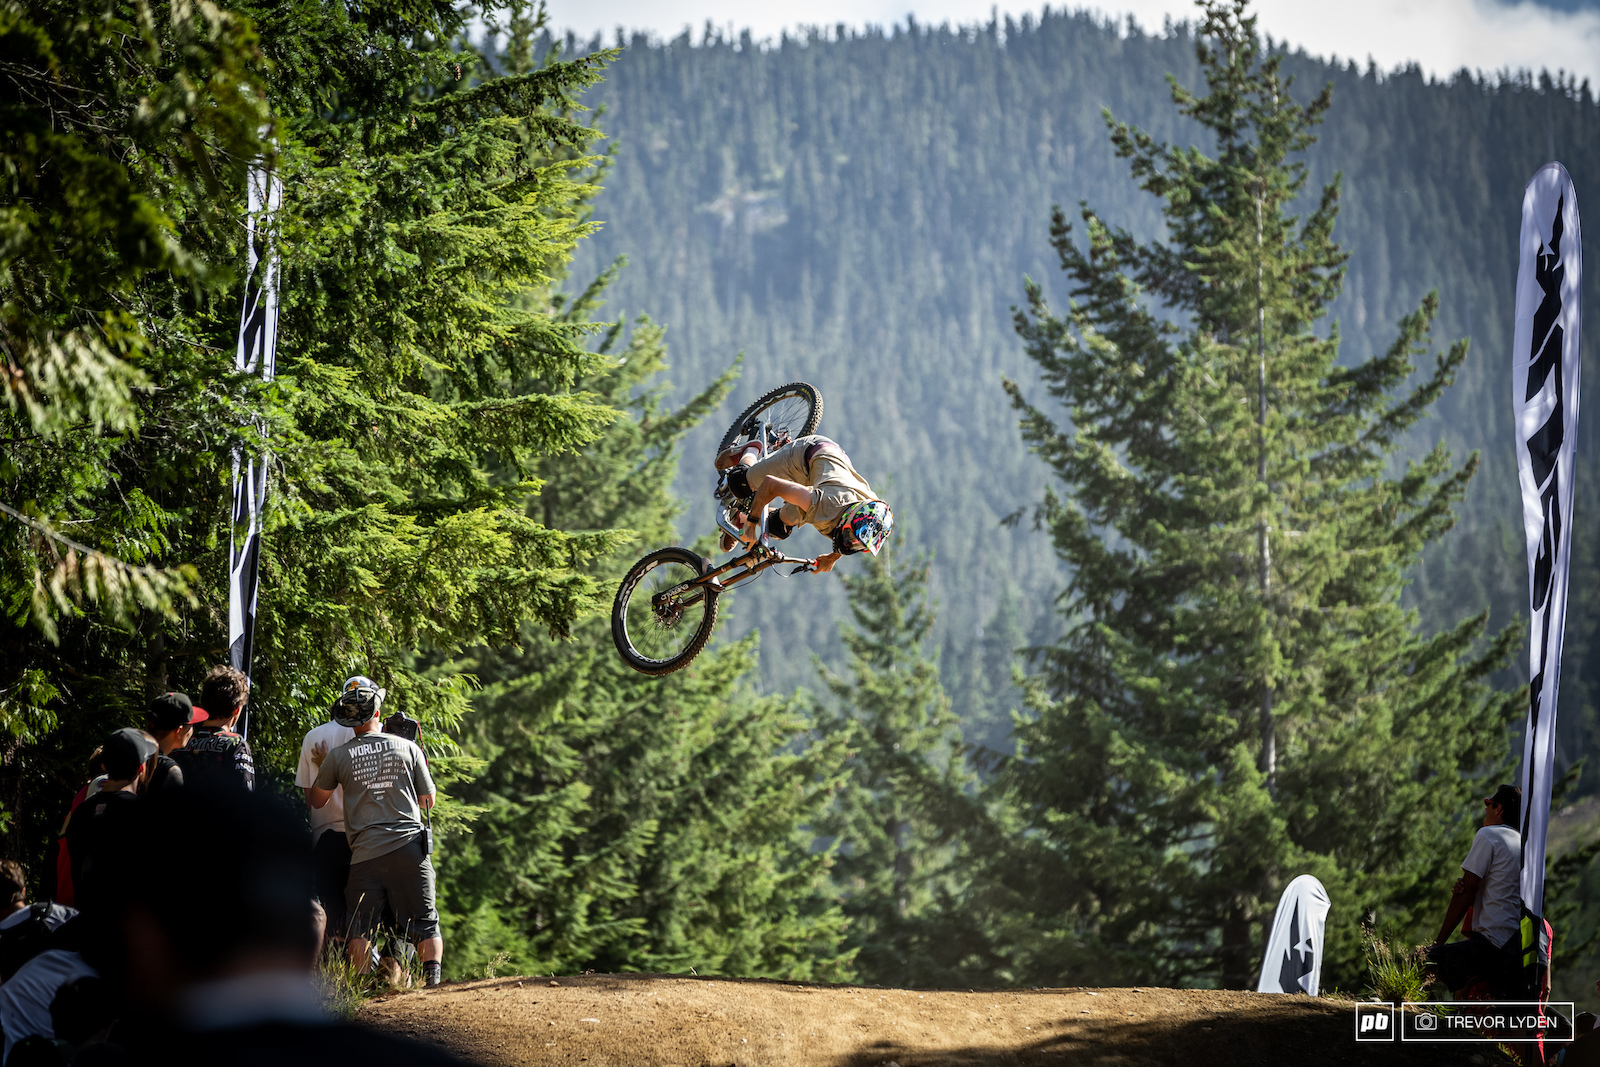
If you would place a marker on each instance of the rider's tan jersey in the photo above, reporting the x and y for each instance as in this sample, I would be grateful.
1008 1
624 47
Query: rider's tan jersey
822 465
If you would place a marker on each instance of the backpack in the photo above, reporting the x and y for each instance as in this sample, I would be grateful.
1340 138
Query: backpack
25 940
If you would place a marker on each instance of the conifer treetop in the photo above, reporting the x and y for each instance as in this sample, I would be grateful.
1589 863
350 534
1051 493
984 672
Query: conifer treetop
1239 695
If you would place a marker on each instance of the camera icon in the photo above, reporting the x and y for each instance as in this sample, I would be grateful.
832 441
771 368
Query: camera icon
1426 1021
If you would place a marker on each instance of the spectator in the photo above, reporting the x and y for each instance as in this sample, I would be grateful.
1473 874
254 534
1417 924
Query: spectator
215 755
1491 885
63 891
386 788
246 999
170 719
330 847
97 832
26 997
25 929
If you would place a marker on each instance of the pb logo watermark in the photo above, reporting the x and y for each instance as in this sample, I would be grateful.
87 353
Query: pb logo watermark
1375 1022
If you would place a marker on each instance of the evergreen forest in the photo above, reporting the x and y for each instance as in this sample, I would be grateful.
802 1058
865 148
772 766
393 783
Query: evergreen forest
1153 635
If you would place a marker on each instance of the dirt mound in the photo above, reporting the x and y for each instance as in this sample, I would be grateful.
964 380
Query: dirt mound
631 1019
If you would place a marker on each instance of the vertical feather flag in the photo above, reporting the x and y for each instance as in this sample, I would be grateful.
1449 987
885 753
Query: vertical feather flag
1544 394
257 353
1292 962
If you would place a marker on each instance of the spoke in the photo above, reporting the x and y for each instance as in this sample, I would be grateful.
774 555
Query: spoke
784 418
659 632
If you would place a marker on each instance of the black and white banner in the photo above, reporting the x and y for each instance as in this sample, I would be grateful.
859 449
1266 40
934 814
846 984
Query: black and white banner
1293 960
1544 386
256 354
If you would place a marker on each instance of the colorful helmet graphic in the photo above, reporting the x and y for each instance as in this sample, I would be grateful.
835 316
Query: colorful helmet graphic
863 527
358 701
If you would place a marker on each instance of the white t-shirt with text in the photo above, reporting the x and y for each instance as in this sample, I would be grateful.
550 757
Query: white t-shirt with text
1496 858
330 735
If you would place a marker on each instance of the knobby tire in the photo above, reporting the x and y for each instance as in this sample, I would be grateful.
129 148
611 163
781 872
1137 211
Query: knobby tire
648 641
799 419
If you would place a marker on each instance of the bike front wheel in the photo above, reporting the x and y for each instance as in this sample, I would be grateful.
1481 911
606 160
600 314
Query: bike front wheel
789 411
660 621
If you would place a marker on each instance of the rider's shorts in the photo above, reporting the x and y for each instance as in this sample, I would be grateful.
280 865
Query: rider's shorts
834 483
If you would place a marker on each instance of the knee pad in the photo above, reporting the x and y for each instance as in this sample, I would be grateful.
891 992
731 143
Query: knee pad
739 486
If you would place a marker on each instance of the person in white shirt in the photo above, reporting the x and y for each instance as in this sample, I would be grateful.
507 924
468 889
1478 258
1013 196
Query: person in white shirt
330 847
1491 886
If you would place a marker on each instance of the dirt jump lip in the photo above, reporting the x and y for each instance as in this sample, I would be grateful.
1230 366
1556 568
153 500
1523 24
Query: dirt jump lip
695 1021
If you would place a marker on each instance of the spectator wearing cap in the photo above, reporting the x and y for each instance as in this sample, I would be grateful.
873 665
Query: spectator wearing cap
330 847
97 832
386 788
170 719
216 756
1491 886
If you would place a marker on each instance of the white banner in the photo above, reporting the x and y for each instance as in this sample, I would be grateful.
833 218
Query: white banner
1293 960
256 353
1544 394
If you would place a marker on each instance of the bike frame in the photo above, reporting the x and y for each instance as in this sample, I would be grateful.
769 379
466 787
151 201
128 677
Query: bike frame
757 559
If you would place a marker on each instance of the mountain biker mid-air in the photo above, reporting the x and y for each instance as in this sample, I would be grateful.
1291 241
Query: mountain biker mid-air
813 478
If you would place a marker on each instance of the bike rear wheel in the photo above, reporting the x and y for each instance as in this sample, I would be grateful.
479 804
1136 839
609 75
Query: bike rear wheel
789 411
657 624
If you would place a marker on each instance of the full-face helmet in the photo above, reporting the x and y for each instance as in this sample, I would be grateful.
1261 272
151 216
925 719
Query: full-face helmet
863 527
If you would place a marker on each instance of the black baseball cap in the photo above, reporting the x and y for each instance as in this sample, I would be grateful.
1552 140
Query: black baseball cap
169 711
125 751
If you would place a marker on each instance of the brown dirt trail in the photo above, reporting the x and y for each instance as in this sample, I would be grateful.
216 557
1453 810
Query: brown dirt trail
678 1021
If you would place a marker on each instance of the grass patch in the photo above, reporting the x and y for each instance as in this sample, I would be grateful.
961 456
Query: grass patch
344 989
1396 972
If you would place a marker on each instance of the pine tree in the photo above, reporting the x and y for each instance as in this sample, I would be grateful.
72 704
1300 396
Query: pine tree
627 822
1239 696
901 865
423 199
118 135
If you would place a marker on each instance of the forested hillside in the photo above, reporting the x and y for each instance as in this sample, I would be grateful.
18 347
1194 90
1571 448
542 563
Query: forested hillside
466 458
859 210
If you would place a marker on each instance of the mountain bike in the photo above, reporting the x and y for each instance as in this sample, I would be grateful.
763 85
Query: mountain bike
666 606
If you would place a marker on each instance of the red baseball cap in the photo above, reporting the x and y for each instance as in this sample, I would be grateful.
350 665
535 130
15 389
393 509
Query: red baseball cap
170 711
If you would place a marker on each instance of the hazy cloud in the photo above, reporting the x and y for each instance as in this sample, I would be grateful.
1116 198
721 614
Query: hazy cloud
1442 36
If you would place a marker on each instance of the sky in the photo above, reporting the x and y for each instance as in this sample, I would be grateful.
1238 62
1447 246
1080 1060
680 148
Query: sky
1442 36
